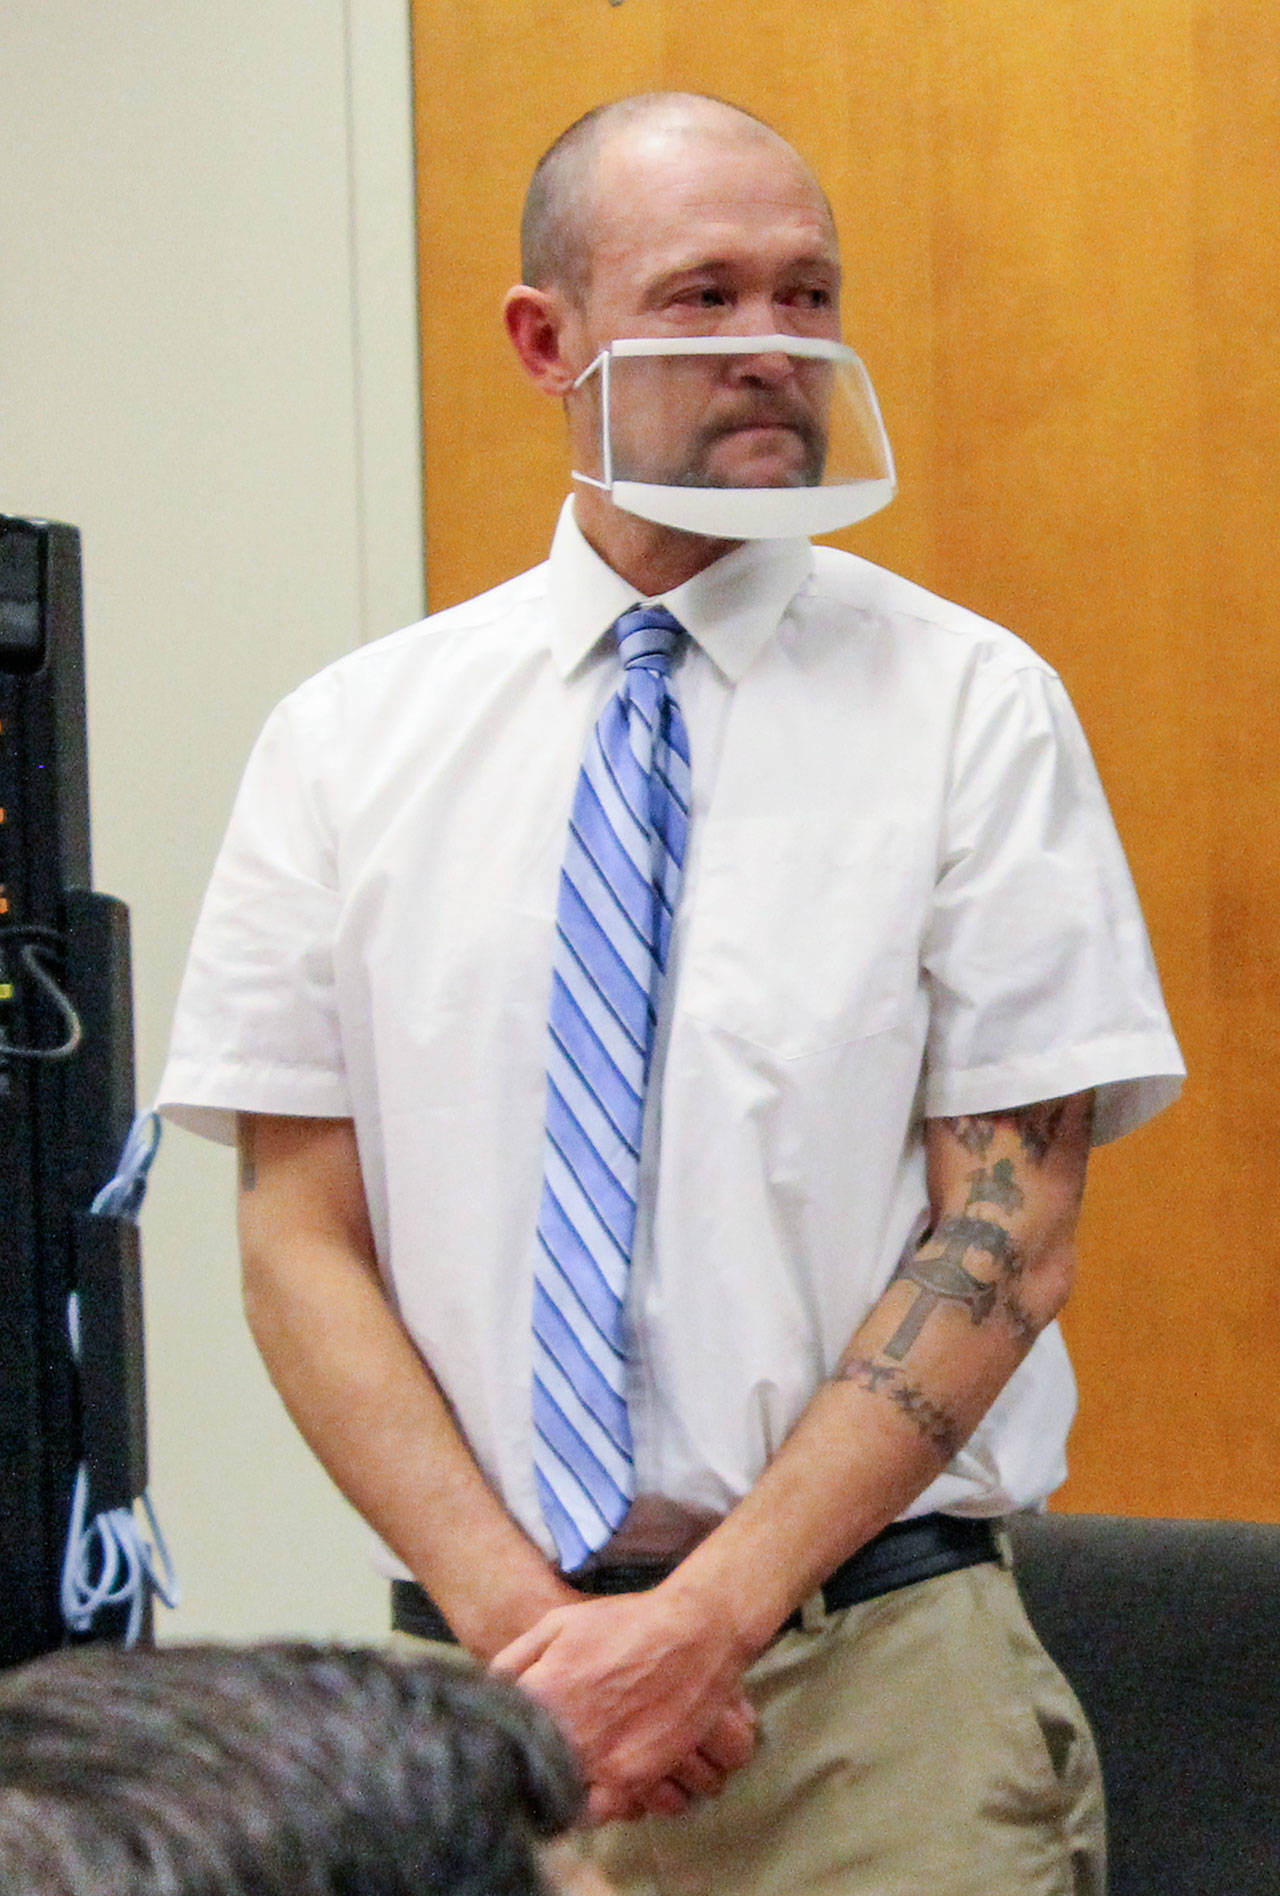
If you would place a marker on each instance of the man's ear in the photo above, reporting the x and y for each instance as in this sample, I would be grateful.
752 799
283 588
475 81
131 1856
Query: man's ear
536 322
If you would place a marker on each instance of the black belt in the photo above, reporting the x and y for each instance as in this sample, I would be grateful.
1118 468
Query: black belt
904 1553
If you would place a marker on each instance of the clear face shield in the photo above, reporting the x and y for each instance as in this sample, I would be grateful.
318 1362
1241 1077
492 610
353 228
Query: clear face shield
738 437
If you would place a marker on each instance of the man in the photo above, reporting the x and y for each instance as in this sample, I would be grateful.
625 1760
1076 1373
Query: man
276 1770
901 982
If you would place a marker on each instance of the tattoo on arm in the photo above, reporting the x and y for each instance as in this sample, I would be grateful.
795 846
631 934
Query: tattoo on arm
886 1379
995 1187
1021 1322
1036 1128
938 1271
975 1257
974 1134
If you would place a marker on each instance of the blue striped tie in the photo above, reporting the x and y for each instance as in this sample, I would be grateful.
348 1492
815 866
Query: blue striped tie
618 890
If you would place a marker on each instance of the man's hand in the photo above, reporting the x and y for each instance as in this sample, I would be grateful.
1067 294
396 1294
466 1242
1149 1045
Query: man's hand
649 1691
702 1772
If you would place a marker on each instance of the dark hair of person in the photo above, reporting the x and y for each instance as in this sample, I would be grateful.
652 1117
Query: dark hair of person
277 1770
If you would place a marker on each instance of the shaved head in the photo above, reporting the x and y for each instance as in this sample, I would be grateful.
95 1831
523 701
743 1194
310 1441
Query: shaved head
558 229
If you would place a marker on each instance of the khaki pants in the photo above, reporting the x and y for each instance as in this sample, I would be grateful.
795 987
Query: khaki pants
922 1744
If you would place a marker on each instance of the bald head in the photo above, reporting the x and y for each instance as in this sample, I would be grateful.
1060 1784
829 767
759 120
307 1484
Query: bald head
559 227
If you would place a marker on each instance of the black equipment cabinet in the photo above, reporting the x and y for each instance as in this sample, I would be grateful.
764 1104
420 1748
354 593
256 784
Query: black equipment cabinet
64 1111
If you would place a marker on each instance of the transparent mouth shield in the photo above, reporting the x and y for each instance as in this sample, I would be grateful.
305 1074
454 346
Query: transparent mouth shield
738 437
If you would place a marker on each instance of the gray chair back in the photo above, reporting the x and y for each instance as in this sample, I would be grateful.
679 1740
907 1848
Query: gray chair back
1170 1633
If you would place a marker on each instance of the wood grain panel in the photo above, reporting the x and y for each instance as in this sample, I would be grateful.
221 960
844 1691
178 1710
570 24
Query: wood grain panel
1061 223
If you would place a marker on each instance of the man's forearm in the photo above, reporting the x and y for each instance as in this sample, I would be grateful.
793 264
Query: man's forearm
922 1370
360 1393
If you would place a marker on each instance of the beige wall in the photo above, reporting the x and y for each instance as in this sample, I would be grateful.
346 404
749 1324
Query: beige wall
207 331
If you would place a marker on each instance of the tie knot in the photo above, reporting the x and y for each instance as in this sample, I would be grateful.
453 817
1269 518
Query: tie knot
648 636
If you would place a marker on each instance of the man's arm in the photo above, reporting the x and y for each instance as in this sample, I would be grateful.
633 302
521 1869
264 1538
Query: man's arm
374 1415
359 1391
642 1672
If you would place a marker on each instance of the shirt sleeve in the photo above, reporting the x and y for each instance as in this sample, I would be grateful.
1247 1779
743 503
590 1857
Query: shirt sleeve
256 1027
1040 974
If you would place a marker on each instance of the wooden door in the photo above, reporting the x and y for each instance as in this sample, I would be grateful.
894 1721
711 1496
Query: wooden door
1061 223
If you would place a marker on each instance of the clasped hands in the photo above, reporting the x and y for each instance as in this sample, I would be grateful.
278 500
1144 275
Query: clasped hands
648 1690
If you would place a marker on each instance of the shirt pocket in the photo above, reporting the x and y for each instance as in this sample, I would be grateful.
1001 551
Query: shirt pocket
804 932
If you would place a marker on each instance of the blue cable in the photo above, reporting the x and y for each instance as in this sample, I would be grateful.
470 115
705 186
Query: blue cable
108 1560
123 1193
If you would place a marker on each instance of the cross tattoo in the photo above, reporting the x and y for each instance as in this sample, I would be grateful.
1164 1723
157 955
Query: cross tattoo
944 1279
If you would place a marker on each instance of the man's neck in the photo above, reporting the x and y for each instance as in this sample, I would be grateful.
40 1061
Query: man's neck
651 558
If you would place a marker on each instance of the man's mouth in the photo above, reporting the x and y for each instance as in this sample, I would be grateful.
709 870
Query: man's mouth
759 424
764 427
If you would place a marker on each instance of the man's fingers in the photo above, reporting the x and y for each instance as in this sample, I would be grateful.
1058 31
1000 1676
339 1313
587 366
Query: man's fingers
666 1799
529 1647
727 1746
696 1774
732 1739
606 1805
699 1773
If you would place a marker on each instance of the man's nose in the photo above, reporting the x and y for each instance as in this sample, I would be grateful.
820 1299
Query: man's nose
770 369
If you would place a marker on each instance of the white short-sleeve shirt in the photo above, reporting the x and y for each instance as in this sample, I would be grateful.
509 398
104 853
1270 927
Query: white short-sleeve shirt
904 897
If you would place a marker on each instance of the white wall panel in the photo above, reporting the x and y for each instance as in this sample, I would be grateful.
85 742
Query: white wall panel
208 339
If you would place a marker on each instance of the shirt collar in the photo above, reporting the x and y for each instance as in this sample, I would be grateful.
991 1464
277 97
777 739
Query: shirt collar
731 608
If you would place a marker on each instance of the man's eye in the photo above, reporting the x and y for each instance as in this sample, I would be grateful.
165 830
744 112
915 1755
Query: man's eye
812 296
703 296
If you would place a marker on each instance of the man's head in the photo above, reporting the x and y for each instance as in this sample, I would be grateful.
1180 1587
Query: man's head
572 201
674 215
282 1770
